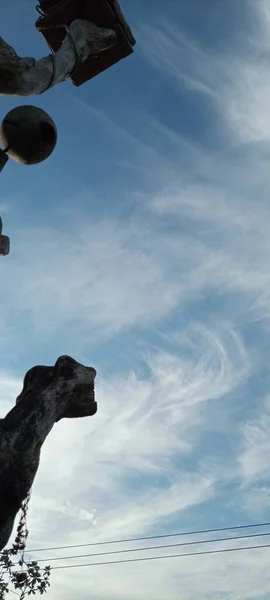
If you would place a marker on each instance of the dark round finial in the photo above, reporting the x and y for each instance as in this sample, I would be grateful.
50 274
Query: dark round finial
28 134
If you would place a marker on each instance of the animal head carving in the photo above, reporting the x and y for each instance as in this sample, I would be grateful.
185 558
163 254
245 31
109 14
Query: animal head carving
68 384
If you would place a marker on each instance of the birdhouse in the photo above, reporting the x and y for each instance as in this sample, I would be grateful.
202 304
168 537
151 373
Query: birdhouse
58 14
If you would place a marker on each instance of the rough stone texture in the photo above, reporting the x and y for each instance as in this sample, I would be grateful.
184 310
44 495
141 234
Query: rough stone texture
27 76
49 394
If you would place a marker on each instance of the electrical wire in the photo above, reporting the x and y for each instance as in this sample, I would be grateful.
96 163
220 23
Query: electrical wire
151 537
240 537
148 558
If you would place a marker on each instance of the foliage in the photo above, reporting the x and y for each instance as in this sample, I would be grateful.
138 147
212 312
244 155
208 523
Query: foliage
30 578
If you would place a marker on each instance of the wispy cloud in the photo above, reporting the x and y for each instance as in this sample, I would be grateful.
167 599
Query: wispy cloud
161 410
102 274
121 478
254 459
173 52
10 388
181 435
236 239
236 83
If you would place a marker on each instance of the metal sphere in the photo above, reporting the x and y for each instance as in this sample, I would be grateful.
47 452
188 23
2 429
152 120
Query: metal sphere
29 134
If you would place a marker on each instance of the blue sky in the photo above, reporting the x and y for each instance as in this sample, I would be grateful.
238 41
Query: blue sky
142 247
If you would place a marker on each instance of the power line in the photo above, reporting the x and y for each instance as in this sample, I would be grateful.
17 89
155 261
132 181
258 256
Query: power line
147 558
151 537
239 537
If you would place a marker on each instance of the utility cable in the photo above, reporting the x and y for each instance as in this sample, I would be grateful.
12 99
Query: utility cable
240 537
151 537
148 558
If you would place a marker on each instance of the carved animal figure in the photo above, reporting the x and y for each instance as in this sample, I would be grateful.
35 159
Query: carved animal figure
65 390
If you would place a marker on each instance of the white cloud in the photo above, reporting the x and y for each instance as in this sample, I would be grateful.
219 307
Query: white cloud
134 467
171 51
112 275
254 460
9 390
142 423
237 84
102 274
114 475
228 234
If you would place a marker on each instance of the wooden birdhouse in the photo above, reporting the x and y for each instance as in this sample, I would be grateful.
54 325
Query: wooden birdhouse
104 13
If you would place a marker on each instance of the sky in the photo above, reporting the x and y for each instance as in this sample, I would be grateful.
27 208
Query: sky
141 247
